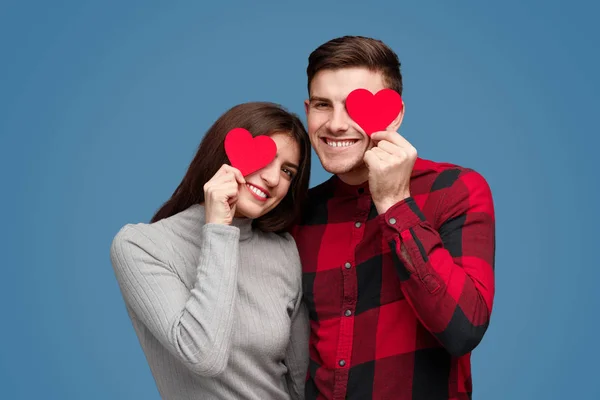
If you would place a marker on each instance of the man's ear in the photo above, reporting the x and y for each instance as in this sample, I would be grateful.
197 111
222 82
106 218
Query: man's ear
306 104
395 125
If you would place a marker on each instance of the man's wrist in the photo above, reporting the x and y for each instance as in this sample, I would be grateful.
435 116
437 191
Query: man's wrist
384 205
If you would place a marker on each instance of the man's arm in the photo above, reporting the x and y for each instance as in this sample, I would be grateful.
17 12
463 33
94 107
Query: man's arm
448 275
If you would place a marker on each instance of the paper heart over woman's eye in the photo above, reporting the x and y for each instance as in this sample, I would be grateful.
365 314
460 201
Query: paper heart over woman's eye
373 112
247 153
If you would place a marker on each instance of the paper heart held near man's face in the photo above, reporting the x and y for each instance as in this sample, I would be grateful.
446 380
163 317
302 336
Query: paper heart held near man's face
373 112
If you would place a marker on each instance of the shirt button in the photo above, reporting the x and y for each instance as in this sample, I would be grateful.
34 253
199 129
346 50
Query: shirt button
357 224
348 313
392 221
348 265
342 363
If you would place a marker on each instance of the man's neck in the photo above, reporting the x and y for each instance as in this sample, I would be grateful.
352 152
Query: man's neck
355 177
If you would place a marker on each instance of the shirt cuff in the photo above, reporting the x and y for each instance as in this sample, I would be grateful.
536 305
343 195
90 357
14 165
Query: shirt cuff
400 217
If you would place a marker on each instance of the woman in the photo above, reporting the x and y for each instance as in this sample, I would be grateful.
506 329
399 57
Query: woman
213 283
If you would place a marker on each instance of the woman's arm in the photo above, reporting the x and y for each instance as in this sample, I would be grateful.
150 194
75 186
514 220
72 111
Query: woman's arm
194 325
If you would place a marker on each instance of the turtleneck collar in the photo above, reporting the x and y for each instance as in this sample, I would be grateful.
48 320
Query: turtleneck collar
245 227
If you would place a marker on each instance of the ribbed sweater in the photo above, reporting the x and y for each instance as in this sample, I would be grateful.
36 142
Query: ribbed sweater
217 308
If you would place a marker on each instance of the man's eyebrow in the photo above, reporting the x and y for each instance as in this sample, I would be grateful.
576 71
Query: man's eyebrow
318 98
323 99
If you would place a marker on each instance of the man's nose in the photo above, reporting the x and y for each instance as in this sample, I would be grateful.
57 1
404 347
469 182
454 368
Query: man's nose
339 121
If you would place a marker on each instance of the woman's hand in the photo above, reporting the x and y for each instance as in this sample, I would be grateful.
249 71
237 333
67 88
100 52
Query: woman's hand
221 195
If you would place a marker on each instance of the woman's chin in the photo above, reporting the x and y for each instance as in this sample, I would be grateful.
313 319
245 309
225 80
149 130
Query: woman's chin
248 209
251 212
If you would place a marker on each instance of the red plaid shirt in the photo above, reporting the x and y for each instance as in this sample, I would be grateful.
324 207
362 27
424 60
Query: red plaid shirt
397 301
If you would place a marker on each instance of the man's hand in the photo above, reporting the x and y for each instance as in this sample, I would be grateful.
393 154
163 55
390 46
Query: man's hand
390 163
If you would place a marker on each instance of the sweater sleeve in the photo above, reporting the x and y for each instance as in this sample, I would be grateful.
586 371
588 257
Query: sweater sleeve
297 355
194 325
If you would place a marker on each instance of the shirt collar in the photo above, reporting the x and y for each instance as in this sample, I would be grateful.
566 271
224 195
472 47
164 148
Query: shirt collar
343 189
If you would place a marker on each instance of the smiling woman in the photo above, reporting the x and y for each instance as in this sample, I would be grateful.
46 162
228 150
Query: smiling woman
259 119
213 283
268 186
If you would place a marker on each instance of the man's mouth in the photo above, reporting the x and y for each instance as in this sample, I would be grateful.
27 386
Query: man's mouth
339 143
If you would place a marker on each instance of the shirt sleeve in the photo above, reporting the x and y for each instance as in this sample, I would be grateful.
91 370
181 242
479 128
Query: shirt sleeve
194 325
447 275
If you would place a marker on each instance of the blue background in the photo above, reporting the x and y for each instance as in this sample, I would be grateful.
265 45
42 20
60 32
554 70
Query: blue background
102 107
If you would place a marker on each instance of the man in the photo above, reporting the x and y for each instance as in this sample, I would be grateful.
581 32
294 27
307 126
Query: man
397 251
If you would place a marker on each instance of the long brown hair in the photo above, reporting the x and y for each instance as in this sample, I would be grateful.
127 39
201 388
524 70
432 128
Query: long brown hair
356 51
259 118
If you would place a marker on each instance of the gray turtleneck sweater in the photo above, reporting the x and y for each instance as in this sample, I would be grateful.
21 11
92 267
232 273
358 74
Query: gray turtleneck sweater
217 308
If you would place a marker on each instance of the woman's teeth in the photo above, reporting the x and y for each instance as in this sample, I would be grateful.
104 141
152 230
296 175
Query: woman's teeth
257 191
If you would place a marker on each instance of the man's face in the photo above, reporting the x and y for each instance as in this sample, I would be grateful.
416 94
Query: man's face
338 141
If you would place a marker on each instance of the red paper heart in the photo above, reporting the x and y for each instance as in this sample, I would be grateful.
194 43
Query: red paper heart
373 113
247 153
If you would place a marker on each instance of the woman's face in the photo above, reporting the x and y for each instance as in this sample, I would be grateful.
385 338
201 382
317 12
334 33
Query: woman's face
265 188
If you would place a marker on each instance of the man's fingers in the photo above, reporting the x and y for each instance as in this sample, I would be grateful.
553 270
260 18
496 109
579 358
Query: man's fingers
390 147
383 155
390 136
370 158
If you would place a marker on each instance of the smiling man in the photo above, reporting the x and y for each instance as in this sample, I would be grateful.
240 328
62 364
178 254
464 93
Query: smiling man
397 251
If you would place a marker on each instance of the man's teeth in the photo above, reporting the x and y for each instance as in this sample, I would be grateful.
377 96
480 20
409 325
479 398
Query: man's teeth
258 191
345 143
